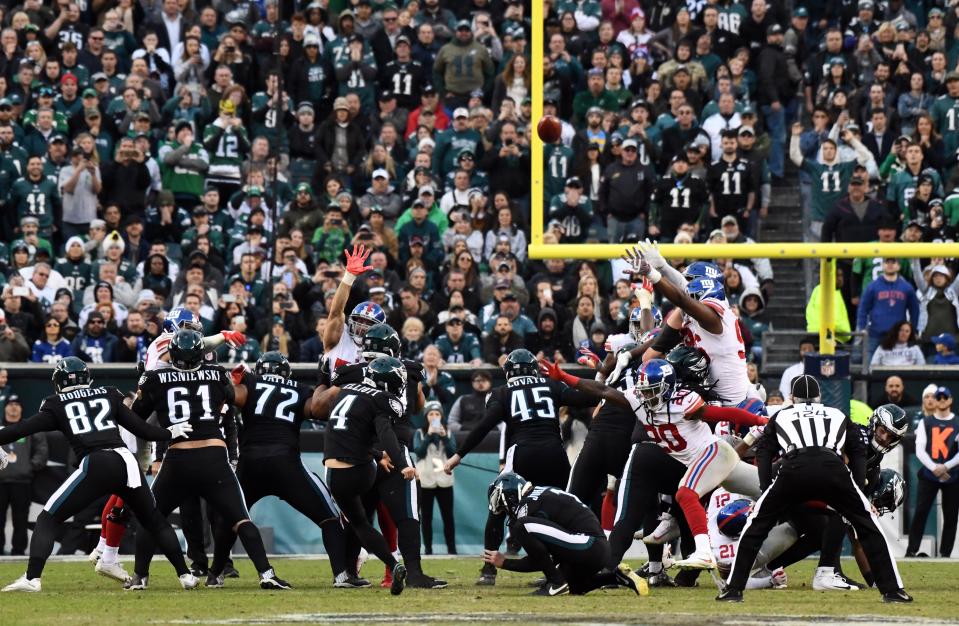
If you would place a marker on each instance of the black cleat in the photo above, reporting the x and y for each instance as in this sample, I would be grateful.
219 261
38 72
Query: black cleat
537 582
899 595
662 579
399 579
422 581
730 595
213 581
230 572
351 582
486 580
550 590
269 580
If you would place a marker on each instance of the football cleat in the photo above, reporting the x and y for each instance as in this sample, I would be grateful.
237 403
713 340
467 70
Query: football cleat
214 581
28 585
661 579
779 578
551 590
826 579
422 581
486 580
136 583
95 555
349 581
269 580
898 595
698 560
537 582
638 535
387 581
666 531
112 570
189 581
730 595
230 572
631 580
361 559
399 579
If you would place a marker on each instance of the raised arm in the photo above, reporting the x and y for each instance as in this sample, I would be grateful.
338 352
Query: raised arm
591 387
355 266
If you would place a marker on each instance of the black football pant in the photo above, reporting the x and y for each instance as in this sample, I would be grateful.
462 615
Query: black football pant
544 466
401 498
926 491
604 454
205 473
16 496
195 518
814 474
649 471
444 497
348 486
562 556
287 478
100 474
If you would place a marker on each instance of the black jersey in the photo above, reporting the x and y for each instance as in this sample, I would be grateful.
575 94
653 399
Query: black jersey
680 199
361 419
274 409
405 81
873 460
88 417
197 397
562 508
530 407
730 184
403 425
612 418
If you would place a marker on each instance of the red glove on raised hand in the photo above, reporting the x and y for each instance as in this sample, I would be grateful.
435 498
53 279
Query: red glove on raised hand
234 338
355 263
236 374
588 358
552 370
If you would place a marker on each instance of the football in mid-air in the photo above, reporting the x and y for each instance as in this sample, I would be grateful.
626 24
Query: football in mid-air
549 129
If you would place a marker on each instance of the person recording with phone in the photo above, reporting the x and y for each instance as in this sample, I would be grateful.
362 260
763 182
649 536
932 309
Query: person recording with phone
433 445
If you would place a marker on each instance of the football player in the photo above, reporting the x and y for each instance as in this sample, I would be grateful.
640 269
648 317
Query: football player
273 408
342 338
675 418
529 404
88 418
362 417
195 392
561 536
392 496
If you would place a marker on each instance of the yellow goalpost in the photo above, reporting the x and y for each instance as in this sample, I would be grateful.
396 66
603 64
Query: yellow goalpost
826 252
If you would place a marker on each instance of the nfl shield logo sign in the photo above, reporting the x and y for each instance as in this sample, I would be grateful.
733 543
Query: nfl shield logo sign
828 368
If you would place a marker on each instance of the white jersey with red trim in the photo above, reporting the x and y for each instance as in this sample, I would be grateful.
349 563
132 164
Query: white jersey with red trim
684 439
726 352
155 351
617 341
345 352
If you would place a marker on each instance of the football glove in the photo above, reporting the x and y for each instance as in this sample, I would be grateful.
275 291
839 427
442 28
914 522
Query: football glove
234 338
355 262
180 430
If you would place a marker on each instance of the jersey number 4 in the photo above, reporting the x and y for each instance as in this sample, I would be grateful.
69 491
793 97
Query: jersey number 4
542 404
79 415
338 415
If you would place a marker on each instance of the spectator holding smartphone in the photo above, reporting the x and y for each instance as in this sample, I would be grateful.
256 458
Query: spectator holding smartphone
433 445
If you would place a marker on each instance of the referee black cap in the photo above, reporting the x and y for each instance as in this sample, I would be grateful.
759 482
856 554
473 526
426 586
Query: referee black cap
805 387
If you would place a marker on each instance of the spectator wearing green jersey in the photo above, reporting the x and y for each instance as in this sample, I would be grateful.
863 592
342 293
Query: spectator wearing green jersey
457 345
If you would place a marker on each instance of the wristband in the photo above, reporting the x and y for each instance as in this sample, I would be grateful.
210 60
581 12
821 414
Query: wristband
654 275
645 298
348 279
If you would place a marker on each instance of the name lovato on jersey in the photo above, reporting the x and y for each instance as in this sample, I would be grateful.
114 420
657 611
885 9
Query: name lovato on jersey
524 380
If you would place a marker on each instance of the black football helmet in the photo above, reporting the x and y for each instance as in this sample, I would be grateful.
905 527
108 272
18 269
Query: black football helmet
521 362
70 372
506 491
381 340
387 373
186 350
273 363
691 364
890 491
887 426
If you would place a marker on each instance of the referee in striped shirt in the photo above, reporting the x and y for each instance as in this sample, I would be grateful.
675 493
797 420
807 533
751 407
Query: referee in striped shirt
812 438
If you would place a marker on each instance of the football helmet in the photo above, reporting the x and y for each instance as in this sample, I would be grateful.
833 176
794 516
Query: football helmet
890 492
701 288
387 374
521 362
692 364
887 426
636 320
180 317
506 491
186 350
362 317
704 269
381 340
273 363
69 373
731 519
655 382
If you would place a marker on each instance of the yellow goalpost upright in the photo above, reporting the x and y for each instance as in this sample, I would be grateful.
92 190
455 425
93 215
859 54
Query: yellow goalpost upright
826 252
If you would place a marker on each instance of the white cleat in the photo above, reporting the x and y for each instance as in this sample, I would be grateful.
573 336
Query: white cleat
112 570
826 579
29 585
135 583
361 558
95 555
189 581
698 560
666 531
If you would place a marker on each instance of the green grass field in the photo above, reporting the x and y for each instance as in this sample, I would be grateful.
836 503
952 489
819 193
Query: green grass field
73 594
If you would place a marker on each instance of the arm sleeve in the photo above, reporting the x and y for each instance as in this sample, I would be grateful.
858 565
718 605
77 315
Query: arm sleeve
494 415
571 397
231 433
921 452
856 452
668 338
740 417
41 422
388 440
139 427
40 452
